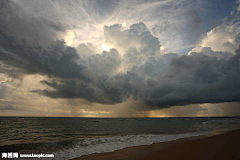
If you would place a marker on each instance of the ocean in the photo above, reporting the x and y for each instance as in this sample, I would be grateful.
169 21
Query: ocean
69 138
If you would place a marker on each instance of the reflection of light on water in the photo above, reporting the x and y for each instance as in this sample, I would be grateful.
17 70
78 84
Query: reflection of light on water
105 48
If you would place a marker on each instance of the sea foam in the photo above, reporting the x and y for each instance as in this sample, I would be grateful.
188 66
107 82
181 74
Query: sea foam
110 144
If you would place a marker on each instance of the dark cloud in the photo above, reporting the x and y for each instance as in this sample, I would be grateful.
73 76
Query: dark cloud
163 82
103 64
20 25
58 60
219 55
105 90
183 80
28 44
135 68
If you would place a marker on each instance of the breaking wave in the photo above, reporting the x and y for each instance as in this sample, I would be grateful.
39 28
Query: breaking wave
110 144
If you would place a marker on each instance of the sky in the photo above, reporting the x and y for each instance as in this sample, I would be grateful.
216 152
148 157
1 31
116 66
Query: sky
120 58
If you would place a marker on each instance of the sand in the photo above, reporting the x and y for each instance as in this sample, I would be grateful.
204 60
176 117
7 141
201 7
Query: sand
215 147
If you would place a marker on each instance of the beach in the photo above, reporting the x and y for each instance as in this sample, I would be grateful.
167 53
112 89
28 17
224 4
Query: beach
218 146
128 138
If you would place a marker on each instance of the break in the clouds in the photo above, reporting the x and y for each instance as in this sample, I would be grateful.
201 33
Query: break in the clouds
157 53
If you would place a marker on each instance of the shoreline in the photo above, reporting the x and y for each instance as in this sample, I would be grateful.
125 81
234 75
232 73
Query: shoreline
221 144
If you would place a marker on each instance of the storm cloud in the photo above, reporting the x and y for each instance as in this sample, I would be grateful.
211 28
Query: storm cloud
135 66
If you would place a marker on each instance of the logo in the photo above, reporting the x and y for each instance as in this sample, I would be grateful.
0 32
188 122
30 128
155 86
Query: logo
10 155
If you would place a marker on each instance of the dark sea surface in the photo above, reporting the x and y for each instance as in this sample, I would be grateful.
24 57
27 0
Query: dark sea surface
74 137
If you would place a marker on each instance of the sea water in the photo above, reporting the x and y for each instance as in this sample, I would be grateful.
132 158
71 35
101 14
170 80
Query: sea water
69 138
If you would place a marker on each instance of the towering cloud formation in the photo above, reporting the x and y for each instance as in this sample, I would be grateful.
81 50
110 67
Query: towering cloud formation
135 67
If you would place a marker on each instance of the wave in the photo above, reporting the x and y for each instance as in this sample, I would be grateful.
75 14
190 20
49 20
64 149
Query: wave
217 124
110 144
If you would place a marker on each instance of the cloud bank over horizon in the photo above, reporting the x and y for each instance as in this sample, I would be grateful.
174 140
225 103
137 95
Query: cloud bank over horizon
154 63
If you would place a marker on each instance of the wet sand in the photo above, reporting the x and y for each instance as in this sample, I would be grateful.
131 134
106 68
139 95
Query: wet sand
214 147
